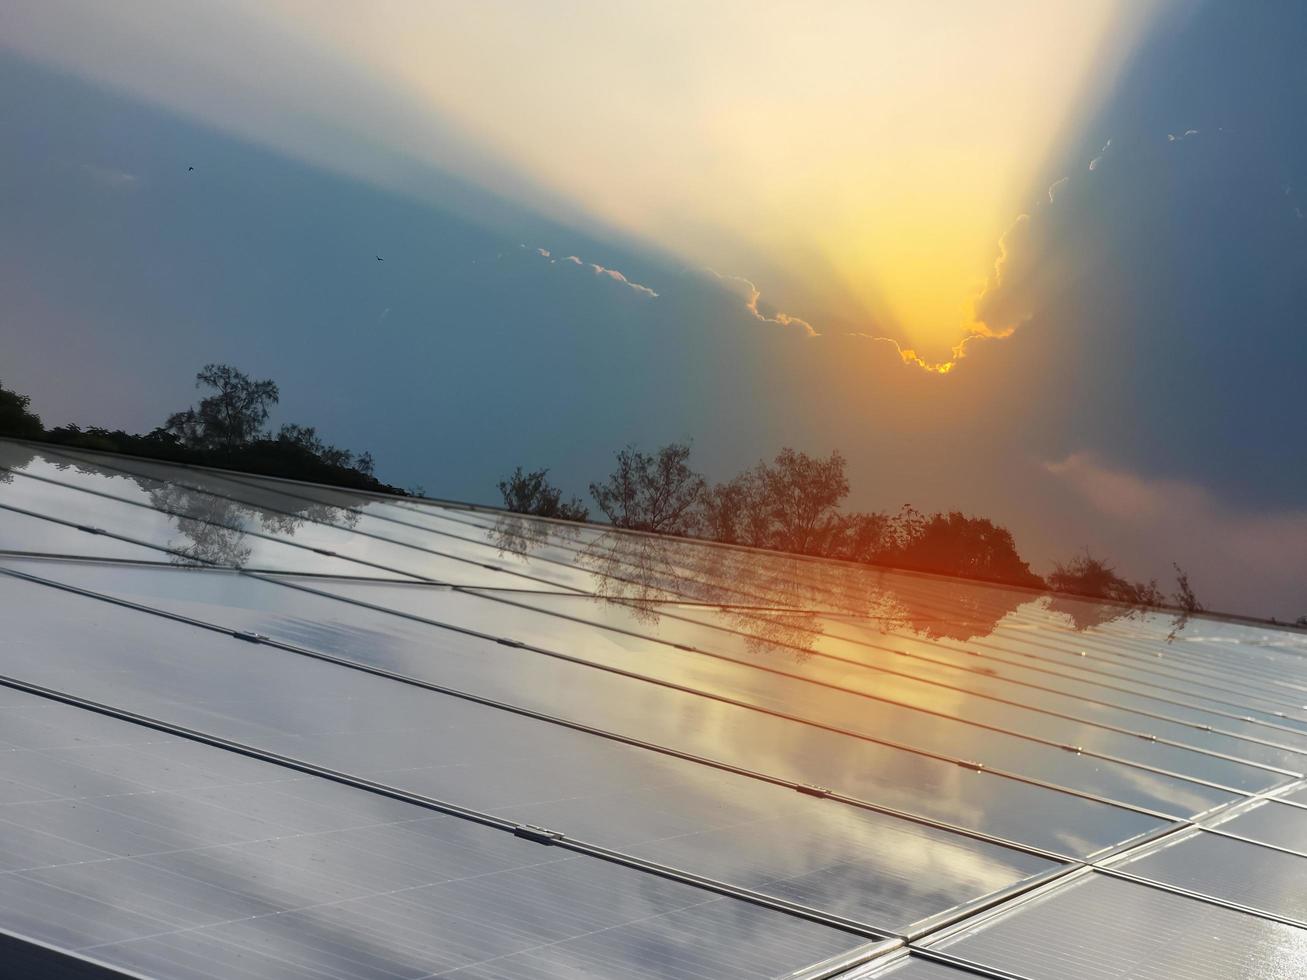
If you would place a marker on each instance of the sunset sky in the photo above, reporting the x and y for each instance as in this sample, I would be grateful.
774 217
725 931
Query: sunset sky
1043 262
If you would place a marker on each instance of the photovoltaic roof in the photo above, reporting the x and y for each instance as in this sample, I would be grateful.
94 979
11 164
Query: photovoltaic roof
257 728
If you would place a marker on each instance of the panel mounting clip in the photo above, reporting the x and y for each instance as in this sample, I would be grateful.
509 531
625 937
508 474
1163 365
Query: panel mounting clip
541 835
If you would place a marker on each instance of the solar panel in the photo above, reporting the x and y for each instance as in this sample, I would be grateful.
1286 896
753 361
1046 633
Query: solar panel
253 727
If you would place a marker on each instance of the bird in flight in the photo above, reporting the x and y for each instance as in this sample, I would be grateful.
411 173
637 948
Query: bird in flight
380 259
189 169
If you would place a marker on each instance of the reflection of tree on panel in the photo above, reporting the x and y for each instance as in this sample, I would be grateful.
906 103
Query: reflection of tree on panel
214 527
520 535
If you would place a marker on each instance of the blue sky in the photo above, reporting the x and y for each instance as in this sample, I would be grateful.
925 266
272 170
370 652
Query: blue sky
1146 400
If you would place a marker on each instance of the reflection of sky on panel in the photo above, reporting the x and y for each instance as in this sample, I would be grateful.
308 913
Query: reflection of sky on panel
215 529
637 565
1102 929
1230 870
842 708
159 854
642 710
838 701
19 532
846 860
863 668
1272 822
319 524
916 968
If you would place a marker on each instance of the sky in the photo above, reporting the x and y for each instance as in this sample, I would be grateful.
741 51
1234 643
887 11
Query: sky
1042 262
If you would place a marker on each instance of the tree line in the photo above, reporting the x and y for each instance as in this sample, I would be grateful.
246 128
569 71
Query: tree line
226 428
793 504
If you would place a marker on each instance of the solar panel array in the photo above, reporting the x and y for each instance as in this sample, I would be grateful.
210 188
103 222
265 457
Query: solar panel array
257 728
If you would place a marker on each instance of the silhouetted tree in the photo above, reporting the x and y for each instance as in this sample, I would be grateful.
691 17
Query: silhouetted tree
1085 575
955 544
303 439
652 493
802 493
862 537
15 417
1184 594
1184 598
225 429
232 416
789 504
721 511
532 493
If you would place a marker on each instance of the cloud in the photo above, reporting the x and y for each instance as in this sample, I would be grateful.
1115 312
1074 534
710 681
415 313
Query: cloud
616 276
119 180
1001 306
1252 551
1164 293
752 296
1095 163
598 270
909 356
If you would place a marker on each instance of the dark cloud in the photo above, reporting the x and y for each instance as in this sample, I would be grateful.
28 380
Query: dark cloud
1176 281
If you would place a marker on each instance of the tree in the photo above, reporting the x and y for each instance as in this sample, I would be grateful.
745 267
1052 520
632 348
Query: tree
657 493
1184 594
532 493
721 511
789 504
15 418
233 416
802 493
1085 575
955 544
863 537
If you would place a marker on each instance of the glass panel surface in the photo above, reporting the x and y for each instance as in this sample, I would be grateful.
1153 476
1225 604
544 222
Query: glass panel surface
1245 874
157 854
228 532
382 541
1099 928
1103 655
793 641
917 968
835 704
1045 653
190 537
1116 691
702 726
20 532
866 866
1271 822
